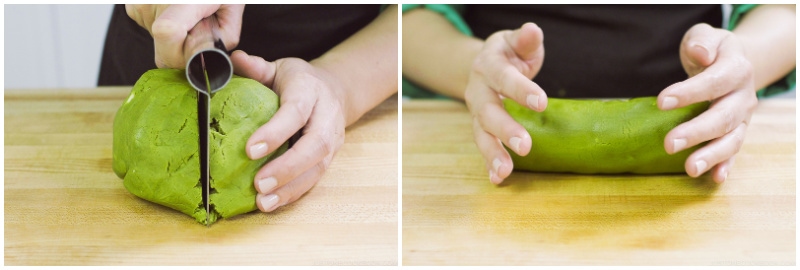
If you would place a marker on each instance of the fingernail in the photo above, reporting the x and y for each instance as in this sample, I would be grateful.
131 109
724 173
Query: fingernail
724 176
258 150
267 184
496 164
514 141
491 177
704 50
701 166
269 201
678 145
669 103
533 101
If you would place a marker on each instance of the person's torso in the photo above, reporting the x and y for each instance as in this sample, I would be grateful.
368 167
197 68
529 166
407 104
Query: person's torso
303 31
269 31
602 50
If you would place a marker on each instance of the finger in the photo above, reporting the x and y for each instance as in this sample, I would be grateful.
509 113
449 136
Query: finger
290 192
720 119
730 71
716 151
306 153
497 122
695 59
169 32
494 119
253 67
230 24
508 62
293 114
514 85
290 118
508 81
497 160
527 43
721 171
699 47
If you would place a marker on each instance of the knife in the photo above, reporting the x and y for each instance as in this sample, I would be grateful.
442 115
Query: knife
208 70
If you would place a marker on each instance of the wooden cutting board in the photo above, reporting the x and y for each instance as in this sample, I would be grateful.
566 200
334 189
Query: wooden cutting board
452 215
65 206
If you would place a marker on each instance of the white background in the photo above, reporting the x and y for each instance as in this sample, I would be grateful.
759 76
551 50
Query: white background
53 46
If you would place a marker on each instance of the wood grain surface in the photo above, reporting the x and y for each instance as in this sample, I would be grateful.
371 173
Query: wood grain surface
65 206
452 215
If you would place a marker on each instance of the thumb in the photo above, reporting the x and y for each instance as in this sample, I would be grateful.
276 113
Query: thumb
527 44
699 48
253 67
170 29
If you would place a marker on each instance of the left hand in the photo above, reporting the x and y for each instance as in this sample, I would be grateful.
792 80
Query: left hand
718 72
505 66
311 100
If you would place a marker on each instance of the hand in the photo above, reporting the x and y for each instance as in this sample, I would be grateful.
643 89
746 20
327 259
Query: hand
311 100
170 24
504 67
719 72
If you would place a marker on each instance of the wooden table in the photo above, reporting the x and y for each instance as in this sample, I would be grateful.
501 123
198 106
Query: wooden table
65 206
452 215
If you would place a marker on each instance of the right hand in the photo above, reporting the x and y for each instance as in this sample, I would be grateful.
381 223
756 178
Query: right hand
312 100
170 24
504 68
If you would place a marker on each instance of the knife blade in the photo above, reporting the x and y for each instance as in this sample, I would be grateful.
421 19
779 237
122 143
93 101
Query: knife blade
204 123
208 70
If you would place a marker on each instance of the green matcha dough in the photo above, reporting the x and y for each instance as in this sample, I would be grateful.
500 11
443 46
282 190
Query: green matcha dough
156 143
601 136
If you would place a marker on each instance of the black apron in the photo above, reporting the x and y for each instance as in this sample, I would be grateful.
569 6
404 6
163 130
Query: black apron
598 51
269 31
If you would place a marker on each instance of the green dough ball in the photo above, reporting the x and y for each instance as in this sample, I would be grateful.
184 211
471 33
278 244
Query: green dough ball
156 143
601 136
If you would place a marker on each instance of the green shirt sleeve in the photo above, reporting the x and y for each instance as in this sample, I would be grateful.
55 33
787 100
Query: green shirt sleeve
783 85
451 12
